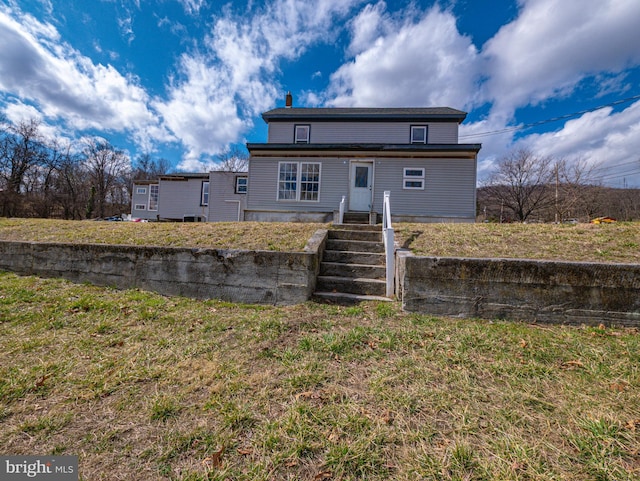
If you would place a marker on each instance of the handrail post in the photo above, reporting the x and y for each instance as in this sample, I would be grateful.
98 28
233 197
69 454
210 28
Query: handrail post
341 211
388 235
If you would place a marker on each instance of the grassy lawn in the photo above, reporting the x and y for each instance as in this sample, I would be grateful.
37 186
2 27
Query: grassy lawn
147 387
274 236
618 242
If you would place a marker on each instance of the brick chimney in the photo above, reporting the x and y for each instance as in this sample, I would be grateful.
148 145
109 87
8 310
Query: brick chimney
289 101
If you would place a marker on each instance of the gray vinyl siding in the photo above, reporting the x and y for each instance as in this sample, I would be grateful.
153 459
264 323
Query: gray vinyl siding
223 200
263 184
363 132
137 199
178 198
450 186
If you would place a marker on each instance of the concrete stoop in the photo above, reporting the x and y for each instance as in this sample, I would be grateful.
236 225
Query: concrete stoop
353 265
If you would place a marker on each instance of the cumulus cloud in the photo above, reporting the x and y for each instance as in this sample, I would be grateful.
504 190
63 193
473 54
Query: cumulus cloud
219 90
201 112
36 66
555 44
607 140
406 61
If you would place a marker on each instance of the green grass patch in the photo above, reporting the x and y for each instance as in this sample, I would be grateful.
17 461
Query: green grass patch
142 386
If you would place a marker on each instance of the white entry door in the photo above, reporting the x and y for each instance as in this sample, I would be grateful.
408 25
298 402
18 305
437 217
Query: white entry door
361 183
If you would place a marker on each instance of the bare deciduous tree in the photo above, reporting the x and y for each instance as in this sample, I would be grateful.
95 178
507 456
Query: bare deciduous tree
106 167
233 160
521 184
21 150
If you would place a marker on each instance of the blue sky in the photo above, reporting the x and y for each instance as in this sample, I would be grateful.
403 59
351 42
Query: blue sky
188 79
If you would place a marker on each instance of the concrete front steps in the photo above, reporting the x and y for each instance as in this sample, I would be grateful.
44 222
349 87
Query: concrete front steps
353 265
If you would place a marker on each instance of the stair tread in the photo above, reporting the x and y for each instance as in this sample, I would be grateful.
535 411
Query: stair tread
351 297
353 279
355 264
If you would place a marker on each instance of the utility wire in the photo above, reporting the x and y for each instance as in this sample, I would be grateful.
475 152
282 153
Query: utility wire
554 119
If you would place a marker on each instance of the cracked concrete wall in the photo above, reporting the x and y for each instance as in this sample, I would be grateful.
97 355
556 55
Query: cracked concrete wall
528 290
258 277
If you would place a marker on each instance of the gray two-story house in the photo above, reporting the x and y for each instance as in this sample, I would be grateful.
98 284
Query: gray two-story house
315 157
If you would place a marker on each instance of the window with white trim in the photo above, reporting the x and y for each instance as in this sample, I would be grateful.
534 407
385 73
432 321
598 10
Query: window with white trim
140 207
413 178
418 134
141 190
299 181
302 134
241 184
204 193
153 196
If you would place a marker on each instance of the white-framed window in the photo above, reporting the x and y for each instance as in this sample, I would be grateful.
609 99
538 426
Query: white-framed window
299 181
154 189
140 207
141 190
413 178
204 193
241 184
418 134
302 134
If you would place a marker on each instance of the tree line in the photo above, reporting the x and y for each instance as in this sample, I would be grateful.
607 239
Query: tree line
44 177
90 178
525 187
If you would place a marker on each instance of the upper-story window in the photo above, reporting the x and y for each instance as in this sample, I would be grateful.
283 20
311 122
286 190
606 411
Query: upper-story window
141 190
302 134
418 134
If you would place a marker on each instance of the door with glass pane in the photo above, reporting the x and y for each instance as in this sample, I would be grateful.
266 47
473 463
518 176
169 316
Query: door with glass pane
361 183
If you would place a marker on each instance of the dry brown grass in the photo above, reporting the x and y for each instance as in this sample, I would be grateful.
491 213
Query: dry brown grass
619 242
276 236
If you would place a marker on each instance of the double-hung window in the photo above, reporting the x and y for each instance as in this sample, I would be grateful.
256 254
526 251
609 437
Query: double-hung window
413 178
153 196
302 134
204 193
418 134
241 184
299 181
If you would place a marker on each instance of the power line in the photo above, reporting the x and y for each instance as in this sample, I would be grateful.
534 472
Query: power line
554 119
620 173
609 167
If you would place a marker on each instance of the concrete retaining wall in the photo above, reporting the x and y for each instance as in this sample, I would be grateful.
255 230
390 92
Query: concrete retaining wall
544 291
260 277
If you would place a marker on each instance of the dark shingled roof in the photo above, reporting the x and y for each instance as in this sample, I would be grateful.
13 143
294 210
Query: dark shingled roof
365 114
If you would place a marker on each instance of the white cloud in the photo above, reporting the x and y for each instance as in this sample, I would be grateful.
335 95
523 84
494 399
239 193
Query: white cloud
409 61
126 27
367 26
230 81
201 112
64 85
601 138
554 44
192 7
